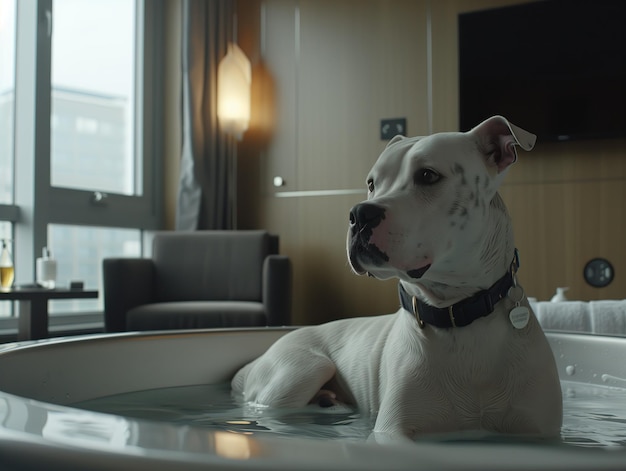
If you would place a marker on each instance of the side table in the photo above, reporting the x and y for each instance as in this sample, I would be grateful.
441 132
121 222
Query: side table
33 307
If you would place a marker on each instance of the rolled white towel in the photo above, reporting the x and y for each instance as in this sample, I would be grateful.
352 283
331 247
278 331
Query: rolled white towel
566 316
608 317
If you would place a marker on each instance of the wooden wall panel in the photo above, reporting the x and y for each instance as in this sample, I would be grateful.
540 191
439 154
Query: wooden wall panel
353 70
336 69
568 203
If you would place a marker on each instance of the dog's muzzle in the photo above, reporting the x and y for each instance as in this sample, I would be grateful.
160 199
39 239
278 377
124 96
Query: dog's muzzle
364 217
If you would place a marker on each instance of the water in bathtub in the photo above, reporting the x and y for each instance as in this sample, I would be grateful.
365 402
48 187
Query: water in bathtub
594 416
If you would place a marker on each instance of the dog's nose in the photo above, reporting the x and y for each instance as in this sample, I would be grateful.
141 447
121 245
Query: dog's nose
366 214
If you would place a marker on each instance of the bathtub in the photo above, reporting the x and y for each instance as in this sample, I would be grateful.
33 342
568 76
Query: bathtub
40 430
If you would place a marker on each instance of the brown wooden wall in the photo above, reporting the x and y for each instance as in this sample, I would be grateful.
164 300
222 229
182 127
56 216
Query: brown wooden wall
324 73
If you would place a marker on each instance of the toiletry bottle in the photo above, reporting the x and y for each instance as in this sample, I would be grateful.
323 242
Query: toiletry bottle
46 270
559 295
6 267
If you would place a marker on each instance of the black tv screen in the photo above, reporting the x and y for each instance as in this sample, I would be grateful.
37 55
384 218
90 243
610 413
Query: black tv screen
555 67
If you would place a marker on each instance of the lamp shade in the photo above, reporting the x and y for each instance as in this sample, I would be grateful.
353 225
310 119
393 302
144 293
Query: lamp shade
234 76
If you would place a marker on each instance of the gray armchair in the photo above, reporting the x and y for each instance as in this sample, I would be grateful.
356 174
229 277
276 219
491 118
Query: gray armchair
199 279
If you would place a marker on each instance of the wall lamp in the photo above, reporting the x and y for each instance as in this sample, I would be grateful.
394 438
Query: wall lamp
234 76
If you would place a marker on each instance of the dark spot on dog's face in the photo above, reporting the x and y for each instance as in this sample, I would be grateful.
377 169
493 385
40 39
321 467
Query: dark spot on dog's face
460 170
458 212
453 209
477 190
456 205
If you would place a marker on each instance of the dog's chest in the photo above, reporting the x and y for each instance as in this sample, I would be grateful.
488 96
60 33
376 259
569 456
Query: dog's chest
471 365
479 372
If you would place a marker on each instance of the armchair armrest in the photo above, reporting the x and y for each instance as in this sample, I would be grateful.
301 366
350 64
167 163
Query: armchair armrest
127 282
277 289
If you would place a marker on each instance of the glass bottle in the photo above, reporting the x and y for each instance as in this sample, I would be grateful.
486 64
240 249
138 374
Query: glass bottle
6 267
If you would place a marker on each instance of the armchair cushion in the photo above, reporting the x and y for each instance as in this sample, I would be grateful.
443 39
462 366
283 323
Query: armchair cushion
195 315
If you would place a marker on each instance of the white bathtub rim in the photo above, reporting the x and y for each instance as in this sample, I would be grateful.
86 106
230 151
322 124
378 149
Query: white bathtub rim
102 365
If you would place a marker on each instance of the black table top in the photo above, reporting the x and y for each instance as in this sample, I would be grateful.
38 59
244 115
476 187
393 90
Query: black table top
34 293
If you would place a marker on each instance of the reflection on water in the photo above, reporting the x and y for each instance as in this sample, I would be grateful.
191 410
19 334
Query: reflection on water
594 416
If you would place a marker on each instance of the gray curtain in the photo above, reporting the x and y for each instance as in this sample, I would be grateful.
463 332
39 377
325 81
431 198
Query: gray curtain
207 182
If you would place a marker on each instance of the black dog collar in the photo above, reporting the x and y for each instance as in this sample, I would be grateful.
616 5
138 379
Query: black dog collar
464 312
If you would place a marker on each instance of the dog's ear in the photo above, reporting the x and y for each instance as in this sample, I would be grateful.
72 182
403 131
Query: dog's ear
394 139
497 139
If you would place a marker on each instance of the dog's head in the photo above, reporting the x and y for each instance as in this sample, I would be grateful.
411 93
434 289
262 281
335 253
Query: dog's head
429 201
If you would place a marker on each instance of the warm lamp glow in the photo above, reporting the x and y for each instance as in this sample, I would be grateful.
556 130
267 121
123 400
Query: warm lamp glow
234 75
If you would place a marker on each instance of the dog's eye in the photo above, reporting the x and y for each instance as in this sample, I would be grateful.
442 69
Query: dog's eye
370 186
426 176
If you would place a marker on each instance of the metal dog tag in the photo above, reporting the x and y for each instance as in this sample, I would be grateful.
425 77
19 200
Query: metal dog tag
519 317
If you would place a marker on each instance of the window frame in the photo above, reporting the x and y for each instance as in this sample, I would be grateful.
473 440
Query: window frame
76 206
36 202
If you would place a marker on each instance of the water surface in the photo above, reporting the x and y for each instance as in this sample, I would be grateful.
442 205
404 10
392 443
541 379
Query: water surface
593 416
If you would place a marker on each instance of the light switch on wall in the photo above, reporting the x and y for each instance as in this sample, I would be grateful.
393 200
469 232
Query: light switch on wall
392 127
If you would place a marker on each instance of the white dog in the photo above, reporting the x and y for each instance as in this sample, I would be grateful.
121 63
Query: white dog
464 352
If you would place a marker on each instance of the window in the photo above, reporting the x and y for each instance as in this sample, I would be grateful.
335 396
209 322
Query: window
7 98
93 96
88 138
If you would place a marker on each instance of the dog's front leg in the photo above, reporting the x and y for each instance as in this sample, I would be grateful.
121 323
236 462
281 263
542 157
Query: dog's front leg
289 374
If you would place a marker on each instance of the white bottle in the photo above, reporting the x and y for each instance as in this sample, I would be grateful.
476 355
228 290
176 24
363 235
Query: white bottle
46 270
559 295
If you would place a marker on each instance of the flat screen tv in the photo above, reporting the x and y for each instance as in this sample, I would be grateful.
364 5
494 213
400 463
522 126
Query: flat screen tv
554 67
